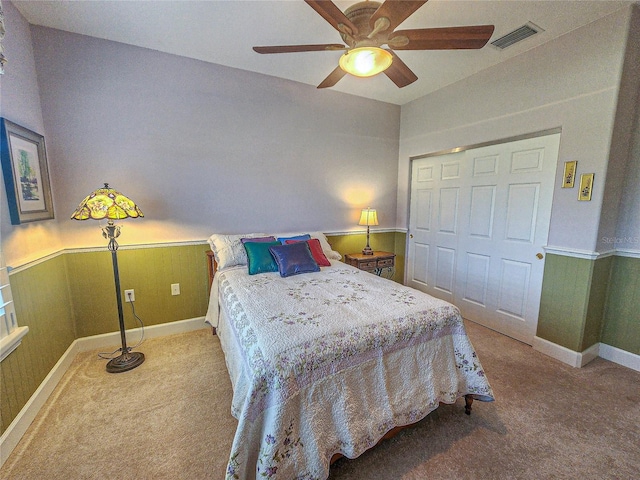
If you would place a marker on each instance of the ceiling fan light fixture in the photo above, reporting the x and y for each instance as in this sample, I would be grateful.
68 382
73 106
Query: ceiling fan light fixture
366 61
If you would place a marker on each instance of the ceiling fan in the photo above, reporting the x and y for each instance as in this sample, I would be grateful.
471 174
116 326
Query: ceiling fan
366 26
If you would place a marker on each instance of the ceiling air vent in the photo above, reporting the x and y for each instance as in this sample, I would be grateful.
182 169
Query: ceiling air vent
516 36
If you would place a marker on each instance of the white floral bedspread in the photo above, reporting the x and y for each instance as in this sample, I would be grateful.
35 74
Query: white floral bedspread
328 362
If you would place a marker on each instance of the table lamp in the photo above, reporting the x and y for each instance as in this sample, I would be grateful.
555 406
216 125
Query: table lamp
368 217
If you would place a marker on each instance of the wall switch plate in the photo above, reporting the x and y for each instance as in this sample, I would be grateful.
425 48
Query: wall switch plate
129 296
175 289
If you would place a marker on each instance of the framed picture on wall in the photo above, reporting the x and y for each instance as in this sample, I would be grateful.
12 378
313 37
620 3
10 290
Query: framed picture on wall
569 174
26 174
586 187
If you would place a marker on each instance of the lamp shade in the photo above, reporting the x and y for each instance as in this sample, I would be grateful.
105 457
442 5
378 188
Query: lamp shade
365 61
368 217
106 203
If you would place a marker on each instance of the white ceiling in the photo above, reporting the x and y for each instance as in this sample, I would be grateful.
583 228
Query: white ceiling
224 31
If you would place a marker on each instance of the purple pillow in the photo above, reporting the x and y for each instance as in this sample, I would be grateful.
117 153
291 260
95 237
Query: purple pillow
258 239
294 259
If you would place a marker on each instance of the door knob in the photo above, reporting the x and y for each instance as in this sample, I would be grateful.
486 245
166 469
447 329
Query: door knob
540 256
411 235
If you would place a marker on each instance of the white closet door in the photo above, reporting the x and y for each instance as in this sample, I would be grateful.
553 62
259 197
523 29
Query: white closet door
478 222
434 212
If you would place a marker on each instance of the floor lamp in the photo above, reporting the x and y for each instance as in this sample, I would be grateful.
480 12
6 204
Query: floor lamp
106 203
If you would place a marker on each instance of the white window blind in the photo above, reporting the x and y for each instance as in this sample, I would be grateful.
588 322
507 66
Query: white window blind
10 333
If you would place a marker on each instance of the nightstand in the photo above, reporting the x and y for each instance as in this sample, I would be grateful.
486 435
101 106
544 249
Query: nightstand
376 263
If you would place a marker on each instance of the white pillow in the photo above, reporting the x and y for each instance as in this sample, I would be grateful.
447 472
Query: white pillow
229 250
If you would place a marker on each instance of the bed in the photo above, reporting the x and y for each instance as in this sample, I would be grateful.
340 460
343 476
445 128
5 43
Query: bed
327 362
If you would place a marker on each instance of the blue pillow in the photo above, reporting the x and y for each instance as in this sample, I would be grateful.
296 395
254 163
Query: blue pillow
294 259
297 238
259 259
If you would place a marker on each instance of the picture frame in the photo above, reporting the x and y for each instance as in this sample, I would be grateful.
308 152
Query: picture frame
586 187
569 174
25 170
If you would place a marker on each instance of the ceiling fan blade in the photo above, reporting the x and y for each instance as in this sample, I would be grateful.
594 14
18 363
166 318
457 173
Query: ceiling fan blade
448 38
399 73
332 14
397 11
299 48
333 78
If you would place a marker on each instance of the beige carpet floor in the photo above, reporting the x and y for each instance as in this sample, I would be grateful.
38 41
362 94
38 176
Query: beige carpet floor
170 419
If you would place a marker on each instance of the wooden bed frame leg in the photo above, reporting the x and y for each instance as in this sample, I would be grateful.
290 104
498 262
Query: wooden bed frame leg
468 400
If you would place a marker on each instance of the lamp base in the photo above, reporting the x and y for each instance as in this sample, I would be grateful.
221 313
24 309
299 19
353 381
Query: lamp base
367 250
125 362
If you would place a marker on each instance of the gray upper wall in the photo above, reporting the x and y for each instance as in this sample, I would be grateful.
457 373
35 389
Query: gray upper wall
20 103
620 220
571 82
204 148
207 148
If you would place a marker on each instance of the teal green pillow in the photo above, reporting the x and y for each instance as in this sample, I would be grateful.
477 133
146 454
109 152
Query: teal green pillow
259 258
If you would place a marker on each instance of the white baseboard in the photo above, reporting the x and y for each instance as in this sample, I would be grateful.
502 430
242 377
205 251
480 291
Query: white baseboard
590 354
12 435
565 355
580 359
621 357
18 427
153 331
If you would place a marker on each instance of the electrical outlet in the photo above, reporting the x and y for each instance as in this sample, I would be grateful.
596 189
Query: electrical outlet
175 289
129 296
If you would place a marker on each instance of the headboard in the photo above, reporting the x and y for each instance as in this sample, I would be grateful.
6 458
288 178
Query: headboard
213 266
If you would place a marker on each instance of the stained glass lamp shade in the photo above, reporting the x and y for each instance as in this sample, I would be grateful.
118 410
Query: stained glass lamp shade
106 203
368 217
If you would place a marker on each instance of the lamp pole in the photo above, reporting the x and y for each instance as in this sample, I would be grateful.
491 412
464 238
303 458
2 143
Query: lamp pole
126 360
367 250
